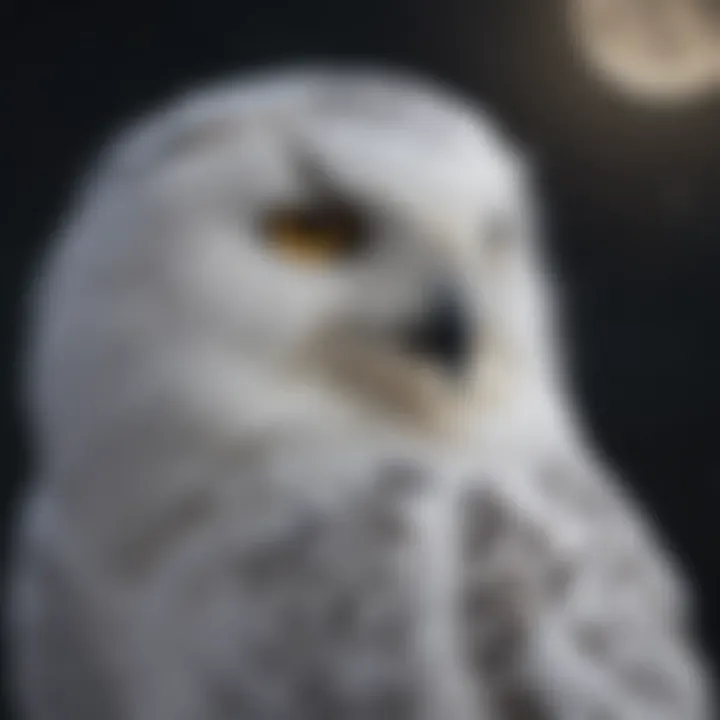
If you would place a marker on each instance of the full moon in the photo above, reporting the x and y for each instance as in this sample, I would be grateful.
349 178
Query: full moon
658 50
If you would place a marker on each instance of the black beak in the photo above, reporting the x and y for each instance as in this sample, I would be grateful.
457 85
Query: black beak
445 332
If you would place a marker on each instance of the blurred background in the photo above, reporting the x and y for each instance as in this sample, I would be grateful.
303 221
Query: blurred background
617 100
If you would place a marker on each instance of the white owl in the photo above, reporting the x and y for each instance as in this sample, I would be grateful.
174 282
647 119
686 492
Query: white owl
302 449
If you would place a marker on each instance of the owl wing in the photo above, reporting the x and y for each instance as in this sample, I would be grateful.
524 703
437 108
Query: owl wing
303 611
570 607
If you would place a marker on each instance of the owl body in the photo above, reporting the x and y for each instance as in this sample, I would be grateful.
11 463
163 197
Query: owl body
303 450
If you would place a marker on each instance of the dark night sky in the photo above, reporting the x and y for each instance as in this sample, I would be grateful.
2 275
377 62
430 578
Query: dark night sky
633 195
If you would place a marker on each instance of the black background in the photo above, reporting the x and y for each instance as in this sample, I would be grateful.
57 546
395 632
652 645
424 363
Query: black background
633 193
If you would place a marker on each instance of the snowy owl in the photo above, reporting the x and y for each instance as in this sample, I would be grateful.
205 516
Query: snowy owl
302 446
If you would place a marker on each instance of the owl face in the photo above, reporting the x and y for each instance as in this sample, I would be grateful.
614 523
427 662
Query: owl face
348 229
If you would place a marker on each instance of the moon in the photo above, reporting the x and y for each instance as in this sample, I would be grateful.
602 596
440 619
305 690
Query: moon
657 50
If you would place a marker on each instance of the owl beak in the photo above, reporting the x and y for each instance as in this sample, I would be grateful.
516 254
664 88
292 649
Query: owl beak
445 331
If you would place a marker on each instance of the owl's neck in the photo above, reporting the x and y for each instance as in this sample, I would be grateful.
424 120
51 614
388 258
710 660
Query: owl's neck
220 407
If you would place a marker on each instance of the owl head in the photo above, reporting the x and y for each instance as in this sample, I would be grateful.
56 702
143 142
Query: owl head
337 233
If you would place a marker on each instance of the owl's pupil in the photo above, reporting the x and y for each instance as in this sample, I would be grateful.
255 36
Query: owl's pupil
319 234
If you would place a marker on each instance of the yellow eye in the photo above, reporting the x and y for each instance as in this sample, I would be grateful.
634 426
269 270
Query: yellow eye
316 235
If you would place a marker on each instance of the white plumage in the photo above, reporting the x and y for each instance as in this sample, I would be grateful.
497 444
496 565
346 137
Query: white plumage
302 446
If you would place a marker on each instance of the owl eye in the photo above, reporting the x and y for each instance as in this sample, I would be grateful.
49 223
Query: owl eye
315 236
